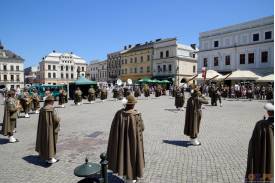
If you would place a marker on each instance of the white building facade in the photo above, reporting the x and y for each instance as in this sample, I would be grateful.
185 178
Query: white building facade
97 71
60 68
245 46
11 69
174 61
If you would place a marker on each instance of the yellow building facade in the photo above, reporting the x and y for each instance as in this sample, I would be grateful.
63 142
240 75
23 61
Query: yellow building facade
137 62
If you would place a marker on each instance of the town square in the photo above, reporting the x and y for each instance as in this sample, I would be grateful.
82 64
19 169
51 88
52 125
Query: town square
137 92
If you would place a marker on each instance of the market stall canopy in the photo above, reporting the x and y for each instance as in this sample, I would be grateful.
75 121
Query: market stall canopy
83 81
242 75
268 78
145 80
209 75
164 81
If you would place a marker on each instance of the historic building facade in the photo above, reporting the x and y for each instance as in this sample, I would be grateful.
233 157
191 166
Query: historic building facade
136 62
97 71
60 68
173 61
11 69
245 46
113 66
30 74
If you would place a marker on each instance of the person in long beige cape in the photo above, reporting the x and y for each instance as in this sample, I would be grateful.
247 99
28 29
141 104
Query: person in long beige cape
179 98
260 159
47 131
125 151
77 96
91 95
193 116
10 117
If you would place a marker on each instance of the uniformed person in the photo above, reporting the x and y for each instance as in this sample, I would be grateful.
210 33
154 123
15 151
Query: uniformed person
193 115
77 96
62 97
179 98
137 91
146 91
158 91
91 95
125 151
35 101
10 117
115 93
103 94
47 131
26 103
260 159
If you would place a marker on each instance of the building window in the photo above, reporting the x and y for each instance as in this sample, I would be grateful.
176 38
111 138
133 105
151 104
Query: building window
125 70
194 55
242 58
72 68
125 61
148 68
216 61
167 53
250 58
268 35
135 70
148 57
122 71
54 75
194 69
67 75
141 59
61 67
83 68
169 67
141 69
17 78
256 37
62 75
49 67
164 68
67 68
161 54
5 67
135 59
205 62
131 70
5 77
227 60
122 61
159 68
264 56
72 76
131 60
49 75
54 67
17 68
12 77
216 44
12 68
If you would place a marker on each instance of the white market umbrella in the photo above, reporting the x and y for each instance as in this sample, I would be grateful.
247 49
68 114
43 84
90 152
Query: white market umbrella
209 75
242 75
268 78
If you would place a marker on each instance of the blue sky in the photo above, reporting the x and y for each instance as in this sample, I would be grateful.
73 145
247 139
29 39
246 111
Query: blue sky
93 28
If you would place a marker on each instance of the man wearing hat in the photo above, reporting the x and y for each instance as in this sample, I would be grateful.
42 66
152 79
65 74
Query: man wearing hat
91 95
47 131
10 116
179 98
62 97
35 101
193 115
125 151
77 96
260 159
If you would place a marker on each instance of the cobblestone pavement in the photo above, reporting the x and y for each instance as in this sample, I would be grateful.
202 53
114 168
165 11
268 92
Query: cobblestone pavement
225 133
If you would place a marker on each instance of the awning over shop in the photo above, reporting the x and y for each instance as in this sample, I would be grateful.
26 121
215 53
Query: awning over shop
242 75
83 81
209 75
268 78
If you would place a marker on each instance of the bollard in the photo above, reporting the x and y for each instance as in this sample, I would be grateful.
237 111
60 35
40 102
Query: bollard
104 167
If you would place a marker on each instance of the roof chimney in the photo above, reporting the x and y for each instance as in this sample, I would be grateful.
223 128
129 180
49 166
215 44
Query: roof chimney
193 46
125 47
53 51
72 52
129 46
1 46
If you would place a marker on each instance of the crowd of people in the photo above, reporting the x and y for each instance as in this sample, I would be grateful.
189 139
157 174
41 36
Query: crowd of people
125 150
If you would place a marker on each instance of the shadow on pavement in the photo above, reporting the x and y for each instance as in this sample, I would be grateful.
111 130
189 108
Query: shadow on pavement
182 143
172 110
34 159
4 141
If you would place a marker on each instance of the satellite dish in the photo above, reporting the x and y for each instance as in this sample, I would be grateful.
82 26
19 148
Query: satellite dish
129 81
119 82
